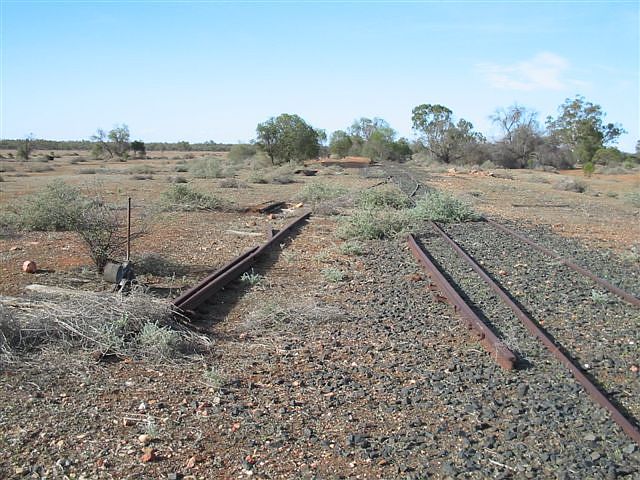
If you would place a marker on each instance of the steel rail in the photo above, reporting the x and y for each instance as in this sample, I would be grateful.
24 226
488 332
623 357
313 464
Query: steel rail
548 342
612 288
491 343
199 293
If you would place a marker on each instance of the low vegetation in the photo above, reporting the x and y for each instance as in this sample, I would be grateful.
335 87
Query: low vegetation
135 325
181 197
317 192
376 220
210 167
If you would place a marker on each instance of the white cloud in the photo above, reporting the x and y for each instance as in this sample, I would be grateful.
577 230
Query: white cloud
545 71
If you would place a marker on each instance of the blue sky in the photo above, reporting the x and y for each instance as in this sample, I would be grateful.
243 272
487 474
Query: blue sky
206 70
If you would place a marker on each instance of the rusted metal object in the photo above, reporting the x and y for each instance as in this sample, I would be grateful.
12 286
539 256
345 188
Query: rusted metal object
538 332
198 294
266 207
491 343
603 283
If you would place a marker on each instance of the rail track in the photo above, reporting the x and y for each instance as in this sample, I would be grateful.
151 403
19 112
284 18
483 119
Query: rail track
204 290
590 333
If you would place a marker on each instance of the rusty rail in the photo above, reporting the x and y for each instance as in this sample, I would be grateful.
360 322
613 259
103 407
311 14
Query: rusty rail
548 342
491 343
612 288
198 294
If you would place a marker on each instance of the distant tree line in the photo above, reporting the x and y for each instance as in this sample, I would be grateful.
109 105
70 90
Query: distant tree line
578 135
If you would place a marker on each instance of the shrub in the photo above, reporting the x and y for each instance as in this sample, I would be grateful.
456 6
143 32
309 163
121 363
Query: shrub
257 177
371 224
210 167
38 168
251 278
442 207
158 341
351 248
7 168
241 152
333 275
181 168
377 222
177 179
570 185
634 199
142 177
56 208
87 171
387 197
183 198
142 169
229 183
588 168
317 192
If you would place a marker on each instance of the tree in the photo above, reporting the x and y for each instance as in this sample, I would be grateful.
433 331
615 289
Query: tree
287 138
580 127
184 146
521 135
445 140
340 143
608 156
115 143
26 147
138 148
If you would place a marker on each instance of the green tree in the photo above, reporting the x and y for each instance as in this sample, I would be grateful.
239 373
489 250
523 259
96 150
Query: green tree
116 143
608 156
287 138
580 126
443 139
138 148
340 143
184 146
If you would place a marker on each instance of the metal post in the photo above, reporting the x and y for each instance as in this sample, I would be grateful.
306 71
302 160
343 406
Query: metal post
128 228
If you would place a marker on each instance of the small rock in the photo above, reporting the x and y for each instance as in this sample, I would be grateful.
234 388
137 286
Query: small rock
14 248
29 266
634 368
590 437
149 455
629 448
595 456
145 439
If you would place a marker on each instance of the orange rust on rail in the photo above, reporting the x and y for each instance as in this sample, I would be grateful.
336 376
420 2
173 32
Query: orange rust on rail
595 393
491 343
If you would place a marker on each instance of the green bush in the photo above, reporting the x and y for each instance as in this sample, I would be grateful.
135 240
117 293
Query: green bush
442 207
371 224
383 198
56 208
352 248
181 197
588 169
241 152
377 222
210 167
317 192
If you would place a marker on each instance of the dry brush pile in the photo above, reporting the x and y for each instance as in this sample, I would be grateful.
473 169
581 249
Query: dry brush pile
135 325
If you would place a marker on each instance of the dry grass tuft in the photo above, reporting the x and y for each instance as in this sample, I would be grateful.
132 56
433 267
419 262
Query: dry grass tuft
135 325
